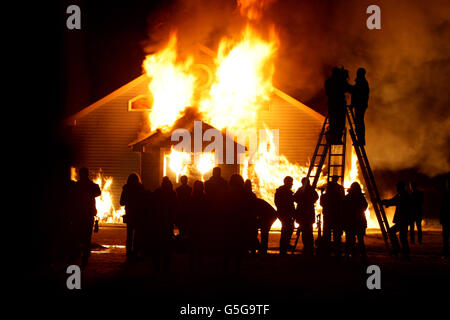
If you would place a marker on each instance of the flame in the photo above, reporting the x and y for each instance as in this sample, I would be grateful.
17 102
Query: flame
253 9
171 85
270 169
103 203
205 163
180 163
243 81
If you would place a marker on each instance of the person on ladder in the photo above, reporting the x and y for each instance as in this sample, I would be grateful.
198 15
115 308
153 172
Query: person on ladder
359 101
335 87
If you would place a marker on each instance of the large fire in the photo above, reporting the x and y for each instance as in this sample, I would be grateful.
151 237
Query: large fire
241 85
243 81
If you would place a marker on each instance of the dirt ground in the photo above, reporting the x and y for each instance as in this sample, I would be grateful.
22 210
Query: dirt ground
280 281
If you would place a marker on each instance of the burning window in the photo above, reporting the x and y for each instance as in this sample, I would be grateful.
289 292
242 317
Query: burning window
140 103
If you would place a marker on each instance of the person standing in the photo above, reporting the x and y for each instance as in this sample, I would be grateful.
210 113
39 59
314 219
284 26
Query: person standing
306 197
332 204
416 212
132 198
402 216
198 226
360 102
253 216
284 201
216 189
85 193
183 195
355 205
266 216
335 88
238 224
161 230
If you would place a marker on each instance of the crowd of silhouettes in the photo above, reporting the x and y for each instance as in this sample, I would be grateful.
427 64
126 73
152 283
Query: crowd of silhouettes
223 218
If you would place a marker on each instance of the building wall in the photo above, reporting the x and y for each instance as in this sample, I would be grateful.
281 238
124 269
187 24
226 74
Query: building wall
101 139
298 130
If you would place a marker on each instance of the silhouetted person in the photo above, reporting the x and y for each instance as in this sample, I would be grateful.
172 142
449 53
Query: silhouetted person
416 212
216 186
332 204
335 88
284 201
359 101
402 216
266 216
254 244
306 197
132 198
355 225
183 194
216 189
199 227
445 220
162 224
85 193
239 222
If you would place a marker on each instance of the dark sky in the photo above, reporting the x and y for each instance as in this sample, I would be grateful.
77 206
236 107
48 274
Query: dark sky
108 50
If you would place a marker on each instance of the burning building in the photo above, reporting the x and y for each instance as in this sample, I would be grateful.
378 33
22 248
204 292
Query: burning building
108 138
229 89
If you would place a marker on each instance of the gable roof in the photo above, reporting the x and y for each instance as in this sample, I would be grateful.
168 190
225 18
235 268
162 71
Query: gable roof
72 119
160 138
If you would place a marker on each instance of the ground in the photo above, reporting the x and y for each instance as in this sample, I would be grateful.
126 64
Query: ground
267 279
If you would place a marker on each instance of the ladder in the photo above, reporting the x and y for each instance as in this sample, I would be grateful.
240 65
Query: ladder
336 158
336 167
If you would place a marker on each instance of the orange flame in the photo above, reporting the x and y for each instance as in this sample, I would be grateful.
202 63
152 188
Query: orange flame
171 85
243 81
106 211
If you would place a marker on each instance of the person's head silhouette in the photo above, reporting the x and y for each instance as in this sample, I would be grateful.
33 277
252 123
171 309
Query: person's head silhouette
305 182
361 73
236 181
198 188
84 173
288 182
355 187
217 172
166 184
248 185
133 178
184 180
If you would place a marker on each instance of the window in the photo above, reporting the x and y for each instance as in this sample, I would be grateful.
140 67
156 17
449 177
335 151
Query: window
140 103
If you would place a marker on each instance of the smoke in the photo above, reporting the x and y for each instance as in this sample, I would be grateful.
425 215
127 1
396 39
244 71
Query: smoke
407 63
